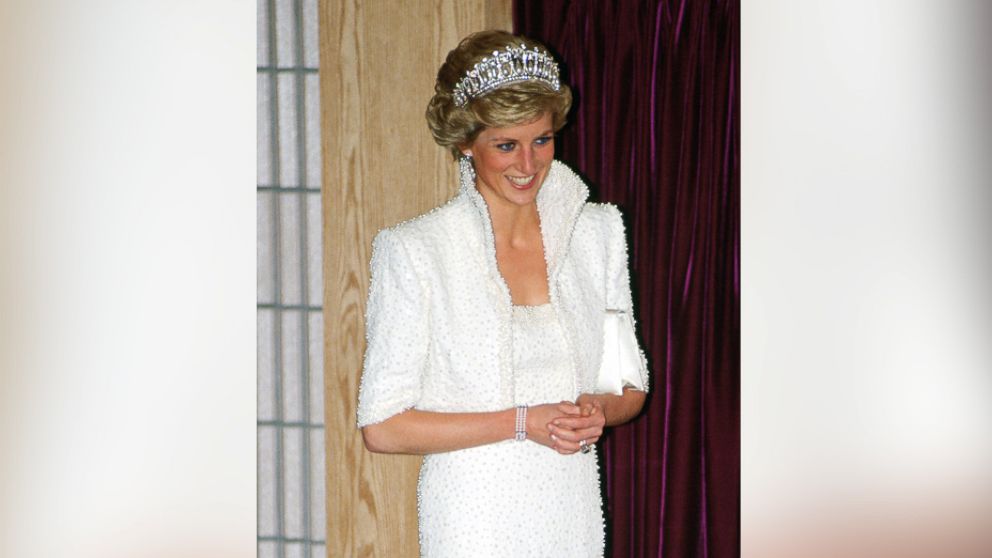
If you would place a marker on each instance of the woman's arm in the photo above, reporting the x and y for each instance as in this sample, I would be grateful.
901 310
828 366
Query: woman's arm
422 432
595 412
617 409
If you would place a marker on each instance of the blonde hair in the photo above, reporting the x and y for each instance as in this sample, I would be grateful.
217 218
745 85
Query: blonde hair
515 103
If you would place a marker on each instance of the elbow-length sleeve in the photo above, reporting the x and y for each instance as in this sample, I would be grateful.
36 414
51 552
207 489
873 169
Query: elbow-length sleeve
396 332
618 294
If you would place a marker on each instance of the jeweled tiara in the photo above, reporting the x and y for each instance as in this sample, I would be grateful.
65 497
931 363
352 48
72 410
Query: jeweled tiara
514 64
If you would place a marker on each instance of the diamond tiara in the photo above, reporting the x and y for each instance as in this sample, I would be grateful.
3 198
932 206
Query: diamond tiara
514 64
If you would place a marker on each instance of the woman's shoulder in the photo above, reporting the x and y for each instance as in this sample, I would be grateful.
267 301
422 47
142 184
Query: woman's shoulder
601 217
441 218
431 231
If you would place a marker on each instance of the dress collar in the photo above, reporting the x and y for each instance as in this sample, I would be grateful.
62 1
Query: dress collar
559 203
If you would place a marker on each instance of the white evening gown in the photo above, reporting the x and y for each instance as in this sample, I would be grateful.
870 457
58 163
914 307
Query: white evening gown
512 498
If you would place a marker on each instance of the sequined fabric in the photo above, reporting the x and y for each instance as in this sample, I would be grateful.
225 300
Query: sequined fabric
442 336
439 313
516 498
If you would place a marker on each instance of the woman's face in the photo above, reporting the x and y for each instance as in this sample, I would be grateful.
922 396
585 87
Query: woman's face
511 163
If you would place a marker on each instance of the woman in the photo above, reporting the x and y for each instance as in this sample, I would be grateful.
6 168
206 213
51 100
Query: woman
485 321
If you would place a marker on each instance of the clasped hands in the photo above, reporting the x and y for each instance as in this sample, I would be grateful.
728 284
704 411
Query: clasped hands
563 426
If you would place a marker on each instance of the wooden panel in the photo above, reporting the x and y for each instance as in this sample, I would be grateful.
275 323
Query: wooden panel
378 60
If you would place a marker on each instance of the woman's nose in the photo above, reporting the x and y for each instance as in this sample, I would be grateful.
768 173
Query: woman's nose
527 161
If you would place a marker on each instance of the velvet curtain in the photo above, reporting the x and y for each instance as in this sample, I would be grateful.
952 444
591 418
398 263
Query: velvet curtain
656 130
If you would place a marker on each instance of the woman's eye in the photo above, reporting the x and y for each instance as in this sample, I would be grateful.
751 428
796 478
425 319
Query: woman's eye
544 140
504 146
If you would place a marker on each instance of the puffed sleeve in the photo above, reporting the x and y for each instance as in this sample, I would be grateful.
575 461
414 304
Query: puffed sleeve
396 331
618 296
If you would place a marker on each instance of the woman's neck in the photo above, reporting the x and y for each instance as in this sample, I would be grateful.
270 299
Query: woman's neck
516 225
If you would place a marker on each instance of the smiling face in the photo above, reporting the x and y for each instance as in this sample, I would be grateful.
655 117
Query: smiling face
511 163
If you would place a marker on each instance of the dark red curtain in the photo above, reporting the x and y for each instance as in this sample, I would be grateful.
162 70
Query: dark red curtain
656 130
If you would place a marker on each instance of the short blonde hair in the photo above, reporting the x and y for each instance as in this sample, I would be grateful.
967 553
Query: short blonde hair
516 103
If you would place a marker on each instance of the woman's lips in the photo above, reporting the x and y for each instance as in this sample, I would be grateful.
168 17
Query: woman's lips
521 182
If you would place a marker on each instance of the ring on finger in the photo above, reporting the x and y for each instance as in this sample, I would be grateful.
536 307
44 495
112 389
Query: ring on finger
584 446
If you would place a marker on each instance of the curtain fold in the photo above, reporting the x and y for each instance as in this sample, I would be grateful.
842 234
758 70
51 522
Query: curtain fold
656 130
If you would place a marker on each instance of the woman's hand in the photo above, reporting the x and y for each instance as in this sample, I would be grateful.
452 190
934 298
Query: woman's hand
540 417
581 425
616 409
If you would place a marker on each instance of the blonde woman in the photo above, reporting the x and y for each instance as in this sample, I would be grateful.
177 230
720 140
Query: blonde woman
485 321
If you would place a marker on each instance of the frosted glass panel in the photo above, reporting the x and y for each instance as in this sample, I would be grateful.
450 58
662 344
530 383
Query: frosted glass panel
293 479
311 47
289 165
267 507
313 130
316 368
264 267
289 248
314 248
292 362
262 32
285 33
263 130
294 550
289 278
267 549
265 343
318 513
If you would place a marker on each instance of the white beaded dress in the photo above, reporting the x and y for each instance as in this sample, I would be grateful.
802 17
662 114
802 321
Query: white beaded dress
516 498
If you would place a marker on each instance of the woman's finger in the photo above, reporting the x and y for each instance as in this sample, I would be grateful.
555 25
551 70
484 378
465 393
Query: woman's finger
569 408
578 423
575 435
566 447
563 447
589 409
587 434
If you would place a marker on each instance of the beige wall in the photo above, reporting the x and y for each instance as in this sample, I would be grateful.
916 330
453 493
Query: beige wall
378 60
